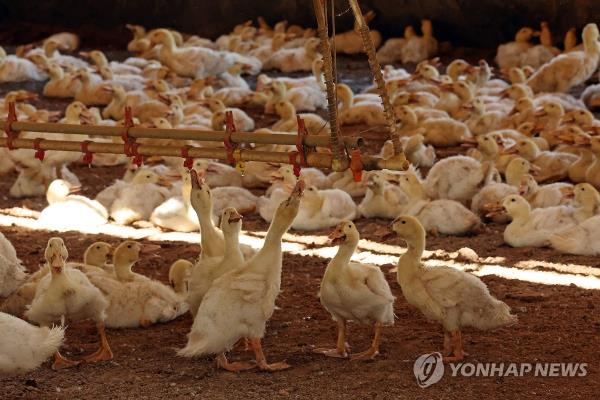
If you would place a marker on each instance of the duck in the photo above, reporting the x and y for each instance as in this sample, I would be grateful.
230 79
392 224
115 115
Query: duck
324 208
17 69
288 121
569 69
60 85
176 213
239 303
449 296
136 200
369 113
90 93
391 51
295 59
284 177
97 254
382 200
509 54
315 80
134 299
242 121
441 216
25 346
553 165
217 174
516 169
458 178
532 228
12 271
353 291
419 154
208 269
345 181
66 294
116 67
419 48
542 196
592 174
581 239
196 62
66 210
179 274
303 98
439 132
129 82
350 42
232 196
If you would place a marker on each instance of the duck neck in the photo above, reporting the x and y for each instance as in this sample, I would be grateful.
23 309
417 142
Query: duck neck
208 232
277 229
514 176
345 99
521 214
344 254
232 247
410 262
123 269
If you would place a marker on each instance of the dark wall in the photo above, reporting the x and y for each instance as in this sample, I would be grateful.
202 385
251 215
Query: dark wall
480 23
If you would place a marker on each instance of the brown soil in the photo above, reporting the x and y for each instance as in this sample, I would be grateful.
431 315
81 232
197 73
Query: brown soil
556 324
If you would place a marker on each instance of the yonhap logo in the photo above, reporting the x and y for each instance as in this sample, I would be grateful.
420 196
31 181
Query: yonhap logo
428 369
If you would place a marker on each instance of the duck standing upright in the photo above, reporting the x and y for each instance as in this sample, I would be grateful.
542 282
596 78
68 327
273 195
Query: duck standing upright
66 293
240 303
354 291
449 296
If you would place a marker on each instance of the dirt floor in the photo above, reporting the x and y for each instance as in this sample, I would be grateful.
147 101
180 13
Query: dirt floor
556 324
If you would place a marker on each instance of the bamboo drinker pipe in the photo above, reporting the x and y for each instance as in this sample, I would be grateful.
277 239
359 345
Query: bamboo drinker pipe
313 159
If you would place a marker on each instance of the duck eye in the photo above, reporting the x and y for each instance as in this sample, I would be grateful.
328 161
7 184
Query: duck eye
513 200
403 222
98 247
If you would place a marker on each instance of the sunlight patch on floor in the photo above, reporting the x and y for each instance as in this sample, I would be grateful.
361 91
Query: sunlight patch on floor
368 252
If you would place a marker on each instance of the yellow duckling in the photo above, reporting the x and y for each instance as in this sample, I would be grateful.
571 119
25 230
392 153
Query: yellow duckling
134 299
532 228
383 199
353 291
454 298
443 216
553 165
67 294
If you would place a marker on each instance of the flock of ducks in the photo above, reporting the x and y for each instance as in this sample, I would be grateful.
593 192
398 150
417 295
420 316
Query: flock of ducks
230 291
527 137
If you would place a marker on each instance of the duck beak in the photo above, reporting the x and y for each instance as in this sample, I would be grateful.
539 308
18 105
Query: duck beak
540 112
164 99
74 189
276 176
194 179
535 170
57 263
165 181
235 217
509 150
568 192
494 209
469 142
336 237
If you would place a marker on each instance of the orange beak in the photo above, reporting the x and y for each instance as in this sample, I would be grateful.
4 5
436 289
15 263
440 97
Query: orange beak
337 236
235 217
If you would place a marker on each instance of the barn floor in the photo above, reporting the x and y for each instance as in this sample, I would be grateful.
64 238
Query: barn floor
557 323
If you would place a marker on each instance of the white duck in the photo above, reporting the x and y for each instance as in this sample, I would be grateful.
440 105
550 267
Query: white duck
135 300
239 303
353 291
67 294
324 208
296 59
136 200
446 295
176 213
458 178
12 272
369 113
383 199
569 69
419 48
288 121
17 69
24 347
443 216
208 269
66 210
534 227
509 54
